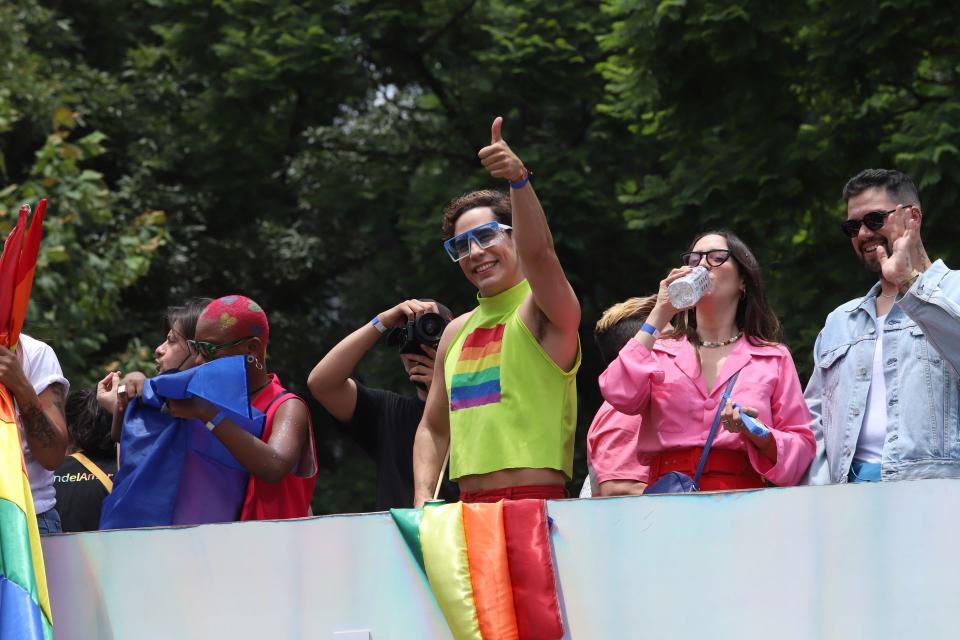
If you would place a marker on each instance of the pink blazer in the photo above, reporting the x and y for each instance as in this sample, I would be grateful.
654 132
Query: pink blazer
665 386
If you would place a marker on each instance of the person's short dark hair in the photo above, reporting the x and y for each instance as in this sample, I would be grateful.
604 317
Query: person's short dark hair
88 424
619 323
896 183
183 318
498 201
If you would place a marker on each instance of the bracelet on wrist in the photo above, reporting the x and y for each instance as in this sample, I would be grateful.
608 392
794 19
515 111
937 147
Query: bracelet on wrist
378 325
649 328
909 280
215 421
522 181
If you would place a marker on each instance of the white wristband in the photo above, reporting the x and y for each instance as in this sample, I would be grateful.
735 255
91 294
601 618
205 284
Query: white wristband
378 325
215 422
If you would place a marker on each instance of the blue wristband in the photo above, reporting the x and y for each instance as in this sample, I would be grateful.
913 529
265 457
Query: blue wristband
649 328
377 324
521 183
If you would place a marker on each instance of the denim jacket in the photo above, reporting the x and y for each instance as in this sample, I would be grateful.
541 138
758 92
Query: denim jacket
921 357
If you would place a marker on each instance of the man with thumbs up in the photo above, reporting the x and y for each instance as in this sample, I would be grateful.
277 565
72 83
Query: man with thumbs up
503 403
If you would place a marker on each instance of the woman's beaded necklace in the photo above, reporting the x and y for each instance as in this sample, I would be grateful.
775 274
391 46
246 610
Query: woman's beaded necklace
709 344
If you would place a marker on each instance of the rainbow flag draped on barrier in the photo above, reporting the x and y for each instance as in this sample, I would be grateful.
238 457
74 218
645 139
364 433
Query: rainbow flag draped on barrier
24 601
489 566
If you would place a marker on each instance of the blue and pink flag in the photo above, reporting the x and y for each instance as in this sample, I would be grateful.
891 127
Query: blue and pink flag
175 471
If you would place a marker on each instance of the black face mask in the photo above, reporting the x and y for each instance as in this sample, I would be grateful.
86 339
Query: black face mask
177 368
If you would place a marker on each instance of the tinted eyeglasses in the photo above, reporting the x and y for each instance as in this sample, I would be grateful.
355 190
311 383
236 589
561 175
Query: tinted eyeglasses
458 247
209 349
715 257
873 221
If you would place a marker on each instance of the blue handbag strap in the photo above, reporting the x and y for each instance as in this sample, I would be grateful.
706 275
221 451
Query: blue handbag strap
713 432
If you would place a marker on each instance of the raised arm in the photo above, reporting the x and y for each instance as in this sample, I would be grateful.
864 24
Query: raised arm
626 383
432 441
930 292
552 294
933 302
330 381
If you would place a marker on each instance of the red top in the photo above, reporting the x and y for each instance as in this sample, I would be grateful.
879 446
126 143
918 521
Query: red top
289 498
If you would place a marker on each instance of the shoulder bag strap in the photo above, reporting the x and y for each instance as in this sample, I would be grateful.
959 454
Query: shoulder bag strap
713 431
92 467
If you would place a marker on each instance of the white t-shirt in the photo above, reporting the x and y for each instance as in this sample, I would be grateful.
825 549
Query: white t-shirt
874 429
42 369
590 486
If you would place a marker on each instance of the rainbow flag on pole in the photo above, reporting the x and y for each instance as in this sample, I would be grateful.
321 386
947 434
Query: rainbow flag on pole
24 601
489 566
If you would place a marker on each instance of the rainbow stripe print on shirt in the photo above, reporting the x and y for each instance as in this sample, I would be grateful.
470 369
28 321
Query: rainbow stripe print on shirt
476 376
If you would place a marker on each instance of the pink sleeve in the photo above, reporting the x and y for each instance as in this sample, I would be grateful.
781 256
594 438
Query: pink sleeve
626 382
790 430
612 446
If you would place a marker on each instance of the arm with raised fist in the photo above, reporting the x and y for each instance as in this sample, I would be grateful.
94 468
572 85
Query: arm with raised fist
553 312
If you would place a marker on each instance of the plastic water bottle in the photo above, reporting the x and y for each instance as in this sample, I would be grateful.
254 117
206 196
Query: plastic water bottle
686 291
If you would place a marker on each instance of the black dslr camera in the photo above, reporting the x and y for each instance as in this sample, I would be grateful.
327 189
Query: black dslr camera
426 329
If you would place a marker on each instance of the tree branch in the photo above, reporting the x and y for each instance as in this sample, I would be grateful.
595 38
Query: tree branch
428 40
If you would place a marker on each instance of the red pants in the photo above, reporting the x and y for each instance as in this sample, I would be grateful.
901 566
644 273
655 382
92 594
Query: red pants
726 469
535 491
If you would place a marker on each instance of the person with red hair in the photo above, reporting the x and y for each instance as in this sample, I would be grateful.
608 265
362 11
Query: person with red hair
282 462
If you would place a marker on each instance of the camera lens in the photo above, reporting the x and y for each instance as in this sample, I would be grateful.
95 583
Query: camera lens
429 327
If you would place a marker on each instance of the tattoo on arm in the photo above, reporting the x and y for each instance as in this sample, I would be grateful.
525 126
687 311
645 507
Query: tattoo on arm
35 420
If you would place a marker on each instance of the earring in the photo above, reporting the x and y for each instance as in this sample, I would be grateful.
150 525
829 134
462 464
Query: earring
252 359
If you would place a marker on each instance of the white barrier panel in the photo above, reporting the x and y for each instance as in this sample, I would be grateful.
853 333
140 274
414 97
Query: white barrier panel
864 561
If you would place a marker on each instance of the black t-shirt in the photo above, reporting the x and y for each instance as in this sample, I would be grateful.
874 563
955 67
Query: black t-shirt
384 425
79 493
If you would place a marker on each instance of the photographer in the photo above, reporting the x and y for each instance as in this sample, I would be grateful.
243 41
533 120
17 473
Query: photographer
384 423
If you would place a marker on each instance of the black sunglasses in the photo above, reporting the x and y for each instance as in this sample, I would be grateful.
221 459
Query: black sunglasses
873 220
715 257
209 349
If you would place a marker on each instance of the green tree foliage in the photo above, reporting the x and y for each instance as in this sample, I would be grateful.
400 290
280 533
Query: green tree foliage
302 153
757 113
94 245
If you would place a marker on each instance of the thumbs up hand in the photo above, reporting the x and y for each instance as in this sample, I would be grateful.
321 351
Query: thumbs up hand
497 157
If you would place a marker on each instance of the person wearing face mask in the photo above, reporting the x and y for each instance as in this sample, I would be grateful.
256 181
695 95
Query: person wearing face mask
884 390
381 421
676 381
503 403
192 455
173 354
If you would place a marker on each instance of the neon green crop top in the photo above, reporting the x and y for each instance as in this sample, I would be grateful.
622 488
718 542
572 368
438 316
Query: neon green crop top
511 406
